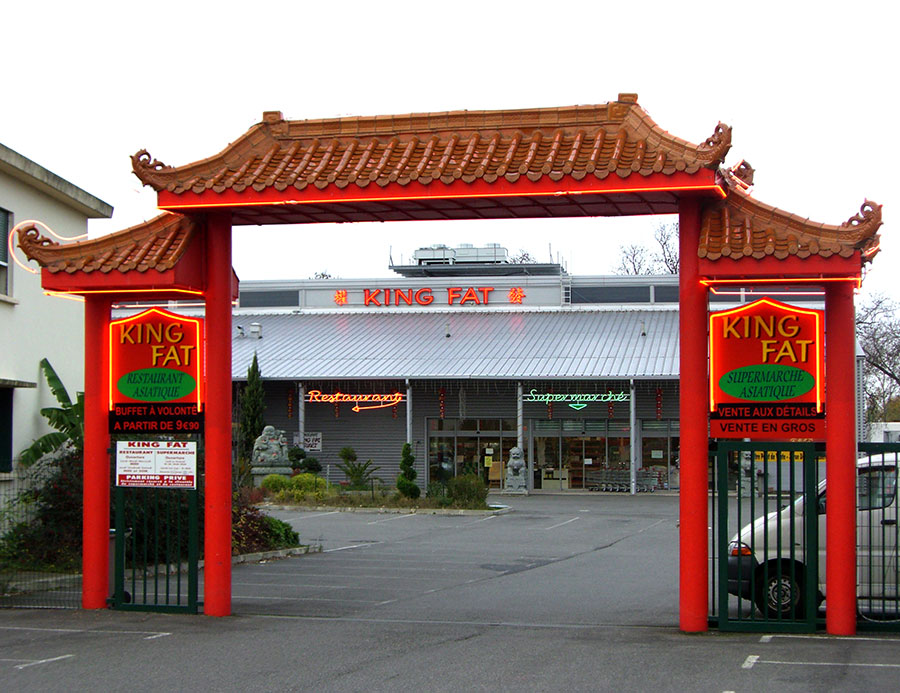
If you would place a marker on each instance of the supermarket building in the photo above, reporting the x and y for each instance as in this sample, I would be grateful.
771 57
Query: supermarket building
466 355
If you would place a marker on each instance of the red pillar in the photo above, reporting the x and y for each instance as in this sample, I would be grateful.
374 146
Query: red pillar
693 511
217 552
840 454
95 511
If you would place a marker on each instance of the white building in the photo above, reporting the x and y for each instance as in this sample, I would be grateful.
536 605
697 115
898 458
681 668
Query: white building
34 326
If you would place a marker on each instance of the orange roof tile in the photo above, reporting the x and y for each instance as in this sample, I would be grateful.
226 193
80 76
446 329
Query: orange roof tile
155 244
577 141
740 226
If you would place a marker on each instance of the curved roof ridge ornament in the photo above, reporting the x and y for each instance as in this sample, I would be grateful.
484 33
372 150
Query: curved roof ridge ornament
740 226
717 145
155 244
740 175
398 149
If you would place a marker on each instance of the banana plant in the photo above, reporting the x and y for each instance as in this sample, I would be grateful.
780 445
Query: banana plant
67 419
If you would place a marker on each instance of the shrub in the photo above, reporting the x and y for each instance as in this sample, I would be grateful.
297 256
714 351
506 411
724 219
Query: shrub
311 465
283 535
307 483
48 533
468 490
436 489
406 481
296 455
273 483
359 474
252 531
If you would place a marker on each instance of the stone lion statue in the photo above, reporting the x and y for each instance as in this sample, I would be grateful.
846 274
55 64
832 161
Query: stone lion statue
516 465
515 472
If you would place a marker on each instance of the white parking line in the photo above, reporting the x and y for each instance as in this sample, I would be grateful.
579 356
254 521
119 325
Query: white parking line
43 661
396 517
754 659
304 599
768 638
561 523
149 634
289 584
307 517
351 546
475 522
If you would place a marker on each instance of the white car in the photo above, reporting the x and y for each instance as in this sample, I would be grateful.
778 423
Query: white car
767 560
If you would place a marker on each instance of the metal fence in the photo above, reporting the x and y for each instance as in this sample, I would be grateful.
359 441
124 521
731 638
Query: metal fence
766 484
40 535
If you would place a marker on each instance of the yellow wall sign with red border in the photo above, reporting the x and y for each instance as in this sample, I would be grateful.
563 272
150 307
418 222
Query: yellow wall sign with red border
766 367
156 380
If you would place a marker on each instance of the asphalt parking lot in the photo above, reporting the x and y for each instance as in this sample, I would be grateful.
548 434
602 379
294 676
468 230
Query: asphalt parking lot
563 592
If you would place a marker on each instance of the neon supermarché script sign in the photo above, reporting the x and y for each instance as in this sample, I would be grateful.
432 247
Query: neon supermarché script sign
372 400
577 400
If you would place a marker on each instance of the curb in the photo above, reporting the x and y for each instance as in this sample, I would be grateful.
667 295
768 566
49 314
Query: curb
277 553
494 510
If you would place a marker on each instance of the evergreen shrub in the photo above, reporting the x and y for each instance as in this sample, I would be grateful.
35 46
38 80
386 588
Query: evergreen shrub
467 490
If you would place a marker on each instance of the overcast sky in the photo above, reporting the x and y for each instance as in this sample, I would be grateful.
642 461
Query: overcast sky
811 92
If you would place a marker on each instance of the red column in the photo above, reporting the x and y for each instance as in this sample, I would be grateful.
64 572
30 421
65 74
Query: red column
217 552
840 453
693 511
95 513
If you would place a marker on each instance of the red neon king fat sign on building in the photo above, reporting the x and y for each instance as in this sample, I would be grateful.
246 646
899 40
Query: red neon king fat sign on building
156 371
766 372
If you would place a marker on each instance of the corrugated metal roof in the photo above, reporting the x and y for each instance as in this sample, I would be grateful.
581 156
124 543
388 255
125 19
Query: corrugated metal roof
496 345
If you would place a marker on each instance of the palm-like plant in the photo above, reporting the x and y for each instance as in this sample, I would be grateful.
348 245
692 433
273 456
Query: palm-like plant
67 419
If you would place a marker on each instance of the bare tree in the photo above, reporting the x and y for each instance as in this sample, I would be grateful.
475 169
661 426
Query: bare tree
879 337
638 259
523 258
666 236
634 259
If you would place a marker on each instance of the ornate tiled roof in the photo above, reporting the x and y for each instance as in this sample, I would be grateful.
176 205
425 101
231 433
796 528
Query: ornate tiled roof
155 244
740 226
578 141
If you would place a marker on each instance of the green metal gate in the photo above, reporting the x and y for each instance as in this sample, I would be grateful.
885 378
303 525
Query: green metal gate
767 519
156 549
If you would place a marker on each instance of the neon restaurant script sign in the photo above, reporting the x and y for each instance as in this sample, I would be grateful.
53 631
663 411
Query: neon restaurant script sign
360 402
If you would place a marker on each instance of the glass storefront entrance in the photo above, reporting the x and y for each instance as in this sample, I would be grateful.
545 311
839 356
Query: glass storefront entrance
563 454
470 446
568 453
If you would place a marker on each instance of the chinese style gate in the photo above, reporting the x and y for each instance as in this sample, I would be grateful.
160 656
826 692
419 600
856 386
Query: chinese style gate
604 160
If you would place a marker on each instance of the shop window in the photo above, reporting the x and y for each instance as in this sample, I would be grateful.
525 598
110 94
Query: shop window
595 426
441 424
509 425
656 426
621 427
489 424
543 425
4 251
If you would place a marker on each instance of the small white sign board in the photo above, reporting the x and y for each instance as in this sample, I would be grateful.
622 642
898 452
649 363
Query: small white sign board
312 441
156 463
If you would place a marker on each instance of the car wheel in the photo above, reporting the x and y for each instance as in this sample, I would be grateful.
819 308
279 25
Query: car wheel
779 595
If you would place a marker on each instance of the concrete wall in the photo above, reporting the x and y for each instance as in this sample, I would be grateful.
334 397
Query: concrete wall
34 326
